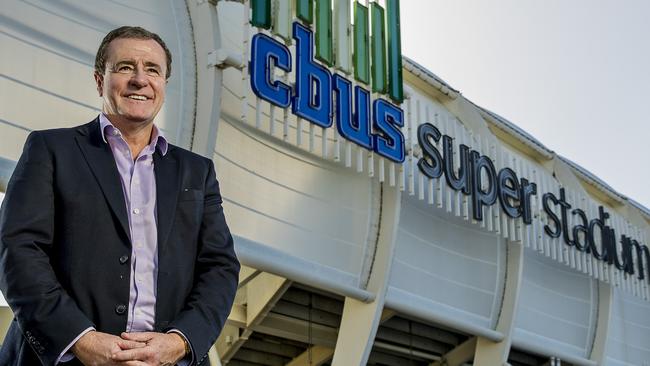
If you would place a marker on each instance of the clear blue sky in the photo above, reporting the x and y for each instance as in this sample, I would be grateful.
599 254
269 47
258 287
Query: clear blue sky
574 74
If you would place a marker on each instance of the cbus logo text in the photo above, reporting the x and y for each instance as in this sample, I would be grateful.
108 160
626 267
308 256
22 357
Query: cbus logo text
374 125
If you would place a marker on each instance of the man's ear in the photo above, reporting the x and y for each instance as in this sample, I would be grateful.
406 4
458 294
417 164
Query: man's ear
99 81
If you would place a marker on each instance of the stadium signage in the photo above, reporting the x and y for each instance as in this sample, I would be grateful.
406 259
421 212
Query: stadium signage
315 87
320 93
477 176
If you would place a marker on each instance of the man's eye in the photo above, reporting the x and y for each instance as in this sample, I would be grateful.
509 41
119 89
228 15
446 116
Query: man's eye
153 71
125 69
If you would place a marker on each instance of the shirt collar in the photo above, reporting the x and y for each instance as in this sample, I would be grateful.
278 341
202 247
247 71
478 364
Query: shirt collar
157 138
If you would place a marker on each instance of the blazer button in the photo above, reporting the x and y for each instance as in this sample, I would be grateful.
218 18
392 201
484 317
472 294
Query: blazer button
120 309
124 259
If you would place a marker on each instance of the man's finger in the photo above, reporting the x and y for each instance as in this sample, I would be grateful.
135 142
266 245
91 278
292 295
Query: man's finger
133 363
133 354
126 344
138 336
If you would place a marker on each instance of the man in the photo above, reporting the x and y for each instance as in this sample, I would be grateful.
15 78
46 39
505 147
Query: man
113 244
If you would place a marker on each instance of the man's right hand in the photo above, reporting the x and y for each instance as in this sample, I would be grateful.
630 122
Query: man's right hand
96 348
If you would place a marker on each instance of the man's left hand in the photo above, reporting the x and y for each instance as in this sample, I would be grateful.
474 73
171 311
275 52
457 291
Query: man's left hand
161 349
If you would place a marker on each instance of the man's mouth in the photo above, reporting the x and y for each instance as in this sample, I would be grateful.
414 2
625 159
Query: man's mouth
137 97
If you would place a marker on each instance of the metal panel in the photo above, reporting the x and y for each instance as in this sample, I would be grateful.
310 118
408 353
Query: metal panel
557 307
447 264
279 197
629 330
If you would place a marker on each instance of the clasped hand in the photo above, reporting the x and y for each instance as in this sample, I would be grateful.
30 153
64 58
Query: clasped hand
130 349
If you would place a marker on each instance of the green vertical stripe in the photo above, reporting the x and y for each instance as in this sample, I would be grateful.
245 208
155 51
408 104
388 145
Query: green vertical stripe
324 31
360 56
305 10
261 13
378 47
282 19
395 87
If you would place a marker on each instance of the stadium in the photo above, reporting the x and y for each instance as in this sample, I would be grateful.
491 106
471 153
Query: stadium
380 217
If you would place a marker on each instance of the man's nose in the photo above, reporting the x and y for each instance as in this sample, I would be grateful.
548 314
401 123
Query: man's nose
139 77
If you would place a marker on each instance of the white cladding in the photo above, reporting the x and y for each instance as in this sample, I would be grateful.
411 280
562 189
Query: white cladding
275 196
629 331
446 266
557 307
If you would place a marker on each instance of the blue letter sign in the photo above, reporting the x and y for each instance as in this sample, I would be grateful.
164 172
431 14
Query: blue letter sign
313 99
265 49
313 95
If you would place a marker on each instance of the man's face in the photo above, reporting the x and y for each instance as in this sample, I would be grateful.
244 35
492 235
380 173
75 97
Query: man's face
133 84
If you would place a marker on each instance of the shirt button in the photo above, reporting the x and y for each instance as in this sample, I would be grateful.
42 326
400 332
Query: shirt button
136 181
120 309
116 132
136 211
124 259
138 244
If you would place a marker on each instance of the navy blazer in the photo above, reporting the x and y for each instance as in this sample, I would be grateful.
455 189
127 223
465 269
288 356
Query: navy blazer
65 251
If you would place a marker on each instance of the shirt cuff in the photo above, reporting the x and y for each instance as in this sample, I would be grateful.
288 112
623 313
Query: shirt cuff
189 358
65 355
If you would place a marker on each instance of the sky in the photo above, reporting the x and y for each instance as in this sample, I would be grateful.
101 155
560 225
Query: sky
574 74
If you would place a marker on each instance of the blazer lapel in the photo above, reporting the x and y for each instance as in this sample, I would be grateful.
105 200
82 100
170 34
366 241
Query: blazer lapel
168 178
99 157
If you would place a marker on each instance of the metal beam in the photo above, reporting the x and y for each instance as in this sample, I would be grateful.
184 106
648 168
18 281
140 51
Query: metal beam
605 305
459 355
260 294
386 315
360 320
263 292
237 317
314 356
213 356
207 37
246 274
228 342
489 352
423 330
407 352
297 330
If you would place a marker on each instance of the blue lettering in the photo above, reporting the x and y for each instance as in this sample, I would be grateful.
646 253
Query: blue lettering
389 141
355 128
313 99
264 50
313 95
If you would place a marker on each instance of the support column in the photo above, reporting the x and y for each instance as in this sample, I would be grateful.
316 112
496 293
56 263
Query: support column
464 352
314 356
261 294
360 320
605 299
496 353
207 38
